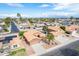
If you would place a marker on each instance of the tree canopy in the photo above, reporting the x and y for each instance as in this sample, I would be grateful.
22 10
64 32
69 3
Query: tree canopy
50 37
7 21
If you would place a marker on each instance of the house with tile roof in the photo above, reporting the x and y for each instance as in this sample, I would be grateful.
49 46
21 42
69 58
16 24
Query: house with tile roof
33 36
72 28
16 43
55 30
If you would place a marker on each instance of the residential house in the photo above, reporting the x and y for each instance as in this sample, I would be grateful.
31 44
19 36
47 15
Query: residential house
16 43
55 30
33 36
72 28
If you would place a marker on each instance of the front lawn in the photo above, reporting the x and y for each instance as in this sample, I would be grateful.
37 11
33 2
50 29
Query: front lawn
18 52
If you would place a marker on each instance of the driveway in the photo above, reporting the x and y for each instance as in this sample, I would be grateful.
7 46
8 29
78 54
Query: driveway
38 48
63 39
67 49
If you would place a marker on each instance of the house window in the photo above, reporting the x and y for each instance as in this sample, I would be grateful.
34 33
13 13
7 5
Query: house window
14 46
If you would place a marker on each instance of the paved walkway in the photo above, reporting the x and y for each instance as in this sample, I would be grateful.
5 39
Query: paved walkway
29 49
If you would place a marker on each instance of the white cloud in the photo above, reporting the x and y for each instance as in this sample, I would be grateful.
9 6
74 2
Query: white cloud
15 5
67 6
7 15
63 9
13 15
47 14
61 6
74 8
44 5
58 13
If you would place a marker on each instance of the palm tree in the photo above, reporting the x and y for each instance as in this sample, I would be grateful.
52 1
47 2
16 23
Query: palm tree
50 38
71 17
21 34
19 16
45 29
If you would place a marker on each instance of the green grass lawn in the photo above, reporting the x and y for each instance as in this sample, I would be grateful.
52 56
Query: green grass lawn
18 52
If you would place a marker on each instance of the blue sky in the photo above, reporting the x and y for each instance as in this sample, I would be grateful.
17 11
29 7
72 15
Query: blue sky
39 9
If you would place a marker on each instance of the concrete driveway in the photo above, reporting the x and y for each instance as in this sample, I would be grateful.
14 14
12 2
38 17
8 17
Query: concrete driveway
38 48
63 39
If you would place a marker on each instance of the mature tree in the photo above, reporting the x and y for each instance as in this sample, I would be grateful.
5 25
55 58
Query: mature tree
44 19
71 17
53 20
7 21
30 20
5 28
1 50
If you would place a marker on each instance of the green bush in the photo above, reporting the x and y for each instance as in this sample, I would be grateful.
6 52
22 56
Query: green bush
6 30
